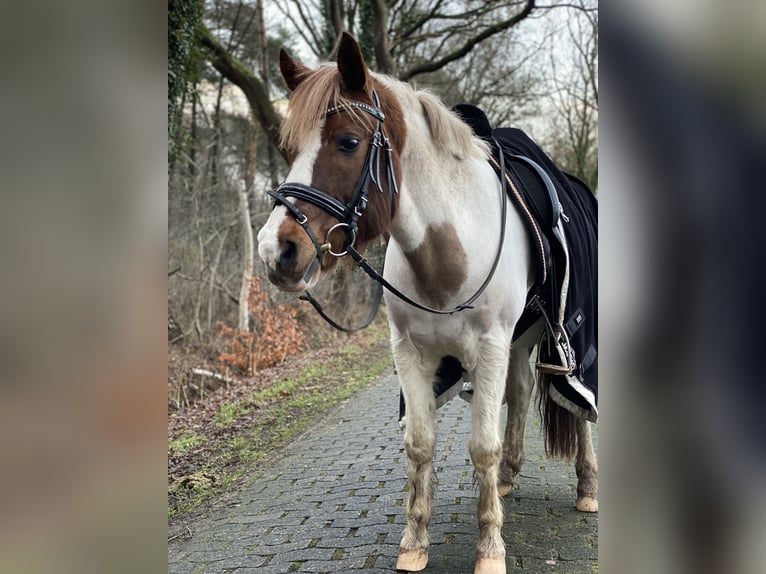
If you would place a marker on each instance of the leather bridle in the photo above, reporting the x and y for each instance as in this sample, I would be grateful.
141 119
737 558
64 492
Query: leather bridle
348 215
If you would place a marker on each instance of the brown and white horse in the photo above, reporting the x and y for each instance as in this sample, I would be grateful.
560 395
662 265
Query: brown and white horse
371 156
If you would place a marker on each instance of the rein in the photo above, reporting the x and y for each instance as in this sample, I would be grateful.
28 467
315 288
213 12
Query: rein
348 215
468 303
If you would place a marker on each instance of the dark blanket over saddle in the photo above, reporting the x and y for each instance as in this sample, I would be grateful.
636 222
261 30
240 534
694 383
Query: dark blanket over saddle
565 265
549 201
579 217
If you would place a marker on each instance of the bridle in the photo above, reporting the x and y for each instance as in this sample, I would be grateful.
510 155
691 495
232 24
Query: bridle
348 215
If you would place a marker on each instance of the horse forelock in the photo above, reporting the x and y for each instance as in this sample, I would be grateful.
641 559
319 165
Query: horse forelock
321 90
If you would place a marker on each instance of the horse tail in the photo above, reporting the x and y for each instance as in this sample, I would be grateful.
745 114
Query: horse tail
559 424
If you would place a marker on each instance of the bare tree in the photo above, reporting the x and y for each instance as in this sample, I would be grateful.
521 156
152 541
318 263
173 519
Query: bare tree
447 33
266 76
575 97
409 37
251 85
248 253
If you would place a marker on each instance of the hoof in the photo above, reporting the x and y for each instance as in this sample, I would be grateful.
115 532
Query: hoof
490 566
412 560
504 489
587 504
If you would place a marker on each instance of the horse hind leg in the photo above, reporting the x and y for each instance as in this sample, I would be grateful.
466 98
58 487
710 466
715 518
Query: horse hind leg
586 468
568 436
518 391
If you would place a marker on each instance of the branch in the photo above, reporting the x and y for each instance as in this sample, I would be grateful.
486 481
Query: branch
469 45
250 84
217 376
244 33
336 17
579 7
310 42
422 20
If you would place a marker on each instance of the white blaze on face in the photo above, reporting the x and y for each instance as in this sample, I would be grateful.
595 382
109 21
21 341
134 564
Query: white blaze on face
300 172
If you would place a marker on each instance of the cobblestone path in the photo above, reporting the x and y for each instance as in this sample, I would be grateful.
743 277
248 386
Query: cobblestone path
334 502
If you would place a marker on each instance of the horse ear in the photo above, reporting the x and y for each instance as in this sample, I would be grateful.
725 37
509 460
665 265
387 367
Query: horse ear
351 64
292 70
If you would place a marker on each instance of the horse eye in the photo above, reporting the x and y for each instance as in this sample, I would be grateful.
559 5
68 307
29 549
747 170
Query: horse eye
348 144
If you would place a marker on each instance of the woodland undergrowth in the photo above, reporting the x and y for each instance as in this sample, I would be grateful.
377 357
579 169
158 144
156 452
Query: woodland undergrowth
271 387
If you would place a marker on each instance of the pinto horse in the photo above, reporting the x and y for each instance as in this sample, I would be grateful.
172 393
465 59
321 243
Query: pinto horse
370 156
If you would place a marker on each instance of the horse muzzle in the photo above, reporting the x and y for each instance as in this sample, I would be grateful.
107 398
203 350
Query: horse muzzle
287 273
291 260
285 284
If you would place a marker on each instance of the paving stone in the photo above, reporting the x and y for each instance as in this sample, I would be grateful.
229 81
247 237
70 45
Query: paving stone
334 502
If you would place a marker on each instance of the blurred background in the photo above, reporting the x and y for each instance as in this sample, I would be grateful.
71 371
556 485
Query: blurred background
681 191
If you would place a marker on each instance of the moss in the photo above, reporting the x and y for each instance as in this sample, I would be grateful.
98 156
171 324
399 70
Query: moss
184 18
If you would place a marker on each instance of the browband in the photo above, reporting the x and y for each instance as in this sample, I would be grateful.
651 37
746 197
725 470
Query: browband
377 113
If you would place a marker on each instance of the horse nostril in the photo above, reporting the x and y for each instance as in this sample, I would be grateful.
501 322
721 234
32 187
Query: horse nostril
288 256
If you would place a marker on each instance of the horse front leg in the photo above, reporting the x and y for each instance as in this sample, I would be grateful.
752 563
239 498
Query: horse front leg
518 390
586 468
485 447
419 443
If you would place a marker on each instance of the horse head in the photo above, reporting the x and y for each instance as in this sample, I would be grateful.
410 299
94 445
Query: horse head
343 133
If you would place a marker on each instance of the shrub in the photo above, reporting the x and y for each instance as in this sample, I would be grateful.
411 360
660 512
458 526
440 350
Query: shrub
275 336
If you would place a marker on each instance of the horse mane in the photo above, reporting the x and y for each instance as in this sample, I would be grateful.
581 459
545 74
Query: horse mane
320 90
448 131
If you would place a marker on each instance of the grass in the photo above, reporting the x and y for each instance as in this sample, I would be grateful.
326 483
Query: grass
184 443
247 431
230 412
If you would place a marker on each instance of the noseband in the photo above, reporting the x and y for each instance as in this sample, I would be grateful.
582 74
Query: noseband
347 214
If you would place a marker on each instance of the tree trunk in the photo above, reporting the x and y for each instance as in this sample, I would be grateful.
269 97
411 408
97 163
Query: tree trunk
247 268
216 148
247 229
193 135
383 61
201 267
253 88
213 274
273 171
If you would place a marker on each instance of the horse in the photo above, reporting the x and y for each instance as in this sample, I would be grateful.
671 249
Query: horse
370 156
